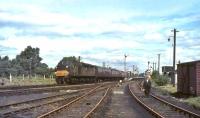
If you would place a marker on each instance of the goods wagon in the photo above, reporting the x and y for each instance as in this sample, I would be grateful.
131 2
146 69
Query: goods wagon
188 78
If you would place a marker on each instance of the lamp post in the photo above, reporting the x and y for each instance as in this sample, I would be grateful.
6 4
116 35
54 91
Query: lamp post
158 63
125 56
174 55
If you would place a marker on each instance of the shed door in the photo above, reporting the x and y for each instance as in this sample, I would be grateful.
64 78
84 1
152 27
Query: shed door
192 79
186 82
183 79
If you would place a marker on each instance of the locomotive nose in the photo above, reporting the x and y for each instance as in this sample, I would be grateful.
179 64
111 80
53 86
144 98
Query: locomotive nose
62 73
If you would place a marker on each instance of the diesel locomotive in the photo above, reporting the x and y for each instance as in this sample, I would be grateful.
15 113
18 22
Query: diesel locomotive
70 70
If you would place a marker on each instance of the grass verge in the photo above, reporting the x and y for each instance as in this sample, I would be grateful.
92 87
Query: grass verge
169 89
193 101
166 90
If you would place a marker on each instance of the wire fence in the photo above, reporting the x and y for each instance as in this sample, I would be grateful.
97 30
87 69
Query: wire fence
27 80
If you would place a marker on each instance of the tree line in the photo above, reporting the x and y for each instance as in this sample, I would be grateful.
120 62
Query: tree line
27 63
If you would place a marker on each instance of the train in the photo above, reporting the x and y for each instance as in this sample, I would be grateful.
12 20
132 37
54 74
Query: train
70 70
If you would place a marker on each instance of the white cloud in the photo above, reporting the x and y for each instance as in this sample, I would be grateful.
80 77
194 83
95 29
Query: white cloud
67 47
154 36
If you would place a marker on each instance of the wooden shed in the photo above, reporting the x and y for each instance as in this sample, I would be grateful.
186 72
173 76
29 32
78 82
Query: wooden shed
188 78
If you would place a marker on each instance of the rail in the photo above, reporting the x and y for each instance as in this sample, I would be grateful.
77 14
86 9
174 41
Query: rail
88 115
156 114
68 104
191 114
177 108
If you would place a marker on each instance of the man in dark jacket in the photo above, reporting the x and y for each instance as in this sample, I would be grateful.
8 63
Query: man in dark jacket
147 85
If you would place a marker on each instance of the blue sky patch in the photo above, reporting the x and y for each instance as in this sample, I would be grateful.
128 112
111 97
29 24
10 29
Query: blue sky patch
101 31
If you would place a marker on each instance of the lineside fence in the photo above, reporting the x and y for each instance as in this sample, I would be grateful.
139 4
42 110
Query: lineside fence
27 80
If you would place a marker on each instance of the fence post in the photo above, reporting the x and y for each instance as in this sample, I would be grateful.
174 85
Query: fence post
23 76
10 78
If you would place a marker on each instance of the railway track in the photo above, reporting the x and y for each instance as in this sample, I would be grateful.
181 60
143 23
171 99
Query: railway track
26 86
99 105
15 87
31 90
157 106
22 108
83 106
42 98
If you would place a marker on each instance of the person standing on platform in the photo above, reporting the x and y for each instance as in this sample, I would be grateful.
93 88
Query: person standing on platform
147 85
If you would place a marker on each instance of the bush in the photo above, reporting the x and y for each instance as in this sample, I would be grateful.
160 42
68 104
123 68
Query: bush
160 80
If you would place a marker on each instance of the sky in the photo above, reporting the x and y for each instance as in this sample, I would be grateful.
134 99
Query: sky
102 30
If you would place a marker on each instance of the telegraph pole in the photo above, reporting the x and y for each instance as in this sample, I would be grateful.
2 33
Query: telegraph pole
125 56
174 56
159 63
153 66
104 64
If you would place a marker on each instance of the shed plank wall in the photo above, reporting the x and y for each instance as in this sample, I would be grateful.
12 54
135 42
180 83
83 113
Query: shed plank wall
189 78
186 80
183 79
179 78
192 78
198 78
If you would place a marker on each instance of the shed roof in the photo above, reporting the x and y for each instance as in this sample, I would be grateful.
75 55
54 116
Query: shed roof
189 62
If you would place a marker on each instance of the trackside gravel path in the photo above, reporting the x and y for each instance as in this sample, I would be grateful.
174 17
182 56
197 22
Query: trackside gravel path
122 105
